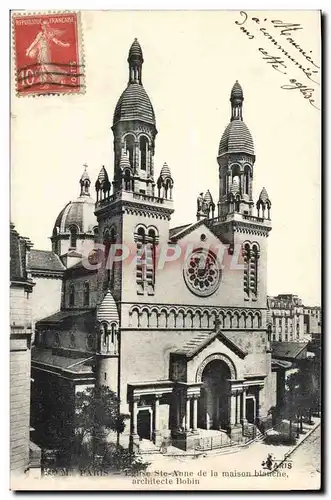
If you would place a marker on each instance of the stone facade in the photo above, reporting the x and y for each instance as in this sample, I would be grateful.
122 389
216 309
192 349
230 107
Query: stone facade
312 320
21 287
172 319
290 320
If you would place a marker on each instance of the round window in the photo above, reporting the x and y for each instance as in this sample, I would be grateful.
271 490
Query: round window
202 272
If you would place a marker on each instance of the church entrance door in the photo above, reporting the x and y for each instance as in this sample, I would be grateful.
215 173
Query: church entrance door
250 410
214 412
144 424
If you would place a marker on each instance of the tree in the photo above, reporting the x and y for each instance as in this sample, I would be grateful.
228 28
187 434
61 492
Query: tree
97 413
302 392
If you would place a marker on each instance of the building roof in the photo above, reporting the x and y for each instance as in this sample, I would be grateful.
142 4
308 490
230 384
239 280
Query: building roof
134 104
135 51
264 195
107 310
237 91
76 365
67 314
208 197
44 260
79 213
165 171
236 139
202 339
18 250
178 229
288 350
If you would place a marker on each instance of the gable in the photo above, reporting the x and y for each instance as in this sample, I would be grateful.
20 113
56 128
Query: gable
198 233
203 339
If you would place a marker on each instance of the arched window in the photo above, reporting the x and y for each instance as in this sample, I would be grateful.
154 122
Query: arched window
86 293
168 189
140 260
151 256
73 236
71 295
104 334
247 179
129 147
143 146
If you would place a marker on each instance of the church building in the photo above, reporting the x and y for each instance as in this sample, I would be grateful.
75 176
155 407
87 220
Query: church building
173 319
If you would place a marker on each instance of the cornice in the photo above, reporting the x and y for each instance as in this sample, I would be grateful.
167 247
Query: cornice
119 207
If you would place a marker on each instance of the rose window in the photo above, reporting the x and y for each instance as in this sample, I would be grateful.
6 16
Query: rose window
202 272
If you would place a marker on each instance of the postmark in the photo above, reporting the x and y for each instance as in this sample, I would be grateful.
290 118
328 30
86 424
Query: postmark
48 54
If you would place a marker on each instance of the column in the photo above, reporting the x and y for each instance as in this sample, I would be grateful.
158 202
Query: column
195 414
238 398
156 419
134 415
243 407
187 414
233 409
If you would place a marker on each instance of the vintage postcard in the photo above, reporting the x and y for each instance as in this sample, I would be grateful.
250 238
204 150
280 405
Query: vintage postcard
165 291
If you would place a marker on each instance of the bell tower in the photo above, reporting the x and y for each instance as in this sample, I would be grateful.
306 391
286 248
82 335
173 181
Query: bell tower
236 161
134 132
134 210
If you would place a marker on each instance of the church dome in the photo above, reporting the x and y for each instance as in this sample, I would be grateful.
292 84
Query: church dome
78 213
236 139
134 104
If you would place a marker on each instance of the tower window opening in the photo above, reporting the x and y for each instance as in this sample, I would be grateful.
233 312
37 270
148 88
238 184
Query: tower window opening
143 144
73 237
236 179
247 177
129 146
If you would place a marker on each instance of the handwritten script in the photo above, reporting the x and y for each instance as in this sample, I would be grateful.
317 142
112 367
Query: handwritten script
283 53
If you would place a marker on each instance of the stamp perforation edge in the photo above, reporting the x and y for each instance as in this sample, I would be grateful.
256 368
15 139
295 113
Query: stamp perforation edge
81 51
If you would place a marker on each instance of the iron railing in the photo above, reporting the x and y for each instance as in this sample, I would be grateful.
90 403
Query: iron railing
222 441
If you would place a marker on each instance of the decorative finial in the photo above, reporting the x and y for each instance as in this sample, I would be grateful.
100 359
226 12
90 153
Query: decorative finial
85 182
135 60
236 98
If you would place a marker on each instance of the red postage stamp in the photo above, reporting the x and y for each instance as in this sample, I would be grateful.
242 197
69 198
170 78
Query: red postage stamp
48 58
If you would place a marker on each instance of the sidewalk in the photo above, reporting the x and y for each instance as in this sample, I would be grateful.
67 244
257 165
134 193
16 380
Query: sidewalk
247 458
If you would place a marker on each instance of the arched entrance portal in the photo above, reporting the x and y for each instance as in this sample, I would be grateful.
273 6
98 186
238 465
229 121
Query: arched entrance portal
214 412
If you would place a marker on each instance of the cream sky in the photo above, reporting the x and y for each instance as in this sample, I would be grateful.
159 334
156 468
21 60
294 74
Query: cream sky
191 62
